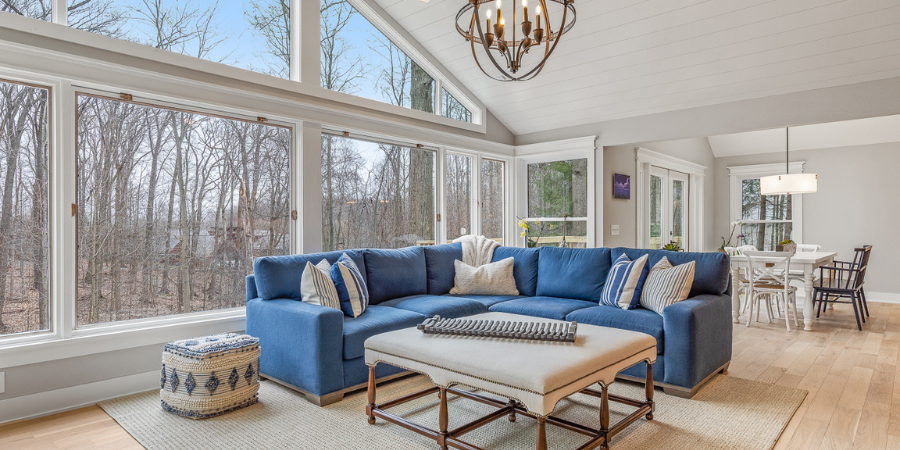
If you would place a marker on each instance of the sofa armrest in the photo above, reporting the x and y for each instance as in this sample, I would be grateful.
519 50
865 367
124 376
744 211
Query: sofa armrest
301 344
698 338
251 287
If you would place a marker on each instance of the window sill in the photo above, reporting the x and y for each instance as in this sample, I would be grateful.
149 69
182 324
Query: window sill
103 338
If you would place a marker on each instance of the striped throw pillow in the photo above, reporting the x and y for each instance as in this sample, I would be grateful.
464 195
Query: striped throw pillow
667 285
316 286
350 286
623 284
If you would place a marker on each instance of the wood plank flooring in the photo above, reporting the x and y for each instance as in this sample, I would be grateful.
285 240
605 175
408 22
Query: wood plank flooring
853 380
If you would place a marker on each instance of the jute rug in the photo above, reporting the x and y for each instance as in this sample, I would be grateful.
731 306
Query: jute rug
728 413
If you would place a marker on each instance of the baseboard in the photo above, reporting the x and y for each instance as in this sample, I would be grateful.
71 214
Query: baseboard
74 397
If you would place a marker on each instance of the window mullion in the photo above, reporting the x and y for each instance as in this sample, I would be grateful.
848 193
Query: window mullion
60 12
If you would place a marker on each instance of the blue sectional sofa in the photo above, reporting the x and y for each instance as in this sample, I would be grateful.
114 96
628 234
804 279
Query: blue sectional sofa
319 351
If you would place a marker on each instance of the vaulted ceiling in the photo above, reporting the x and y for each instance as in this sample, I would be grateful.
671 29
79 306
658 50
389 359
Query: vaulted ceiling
627 58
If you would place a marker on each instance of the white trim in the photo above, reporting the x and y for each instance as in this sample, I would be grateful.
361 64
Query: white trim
123 335
644 159
73 397
762 170
669 162
565 145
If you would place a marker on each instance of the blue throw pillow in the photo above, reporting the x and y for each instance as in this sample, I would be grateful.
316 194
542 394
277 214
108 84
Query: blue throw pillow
350 286
624 282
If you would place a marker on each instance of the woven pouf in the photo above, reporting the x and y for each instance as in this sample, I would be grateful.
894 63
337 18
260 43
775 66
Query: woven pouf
209 376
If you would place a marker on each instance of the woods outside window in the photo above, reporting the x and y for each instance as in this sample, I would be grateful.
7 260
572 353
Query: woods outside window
174 206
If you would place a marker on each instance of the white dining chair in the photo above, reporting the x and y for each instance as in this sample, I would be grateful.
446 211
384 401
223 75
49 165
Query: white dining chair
743 283
772 281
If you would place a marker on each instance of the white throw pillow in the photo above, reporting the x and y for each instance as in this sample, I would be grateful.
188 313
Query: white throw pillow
316 287
667 285
495 278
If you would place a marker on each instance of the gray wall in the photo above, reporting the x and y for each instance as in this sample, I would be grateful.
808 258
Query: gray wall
856 203
621 159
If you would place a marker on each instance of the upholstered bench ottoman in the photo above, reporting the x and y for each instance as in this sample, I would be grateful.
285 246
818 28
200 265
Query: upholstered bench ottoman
209 376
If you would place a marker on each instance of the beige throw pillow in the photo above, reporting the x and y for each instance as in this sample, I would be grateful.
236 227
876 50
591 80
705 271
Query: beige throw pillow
489 279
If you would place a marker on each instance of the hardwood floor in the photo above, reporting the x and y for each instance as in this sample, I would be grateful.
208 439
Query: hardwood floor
853 380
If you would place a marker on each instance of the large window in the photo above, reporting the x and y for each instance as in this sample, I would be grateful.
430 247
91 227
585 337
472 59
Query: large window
359 59
252 35
376 194
765 220
24 214
173 208
458 196
557 203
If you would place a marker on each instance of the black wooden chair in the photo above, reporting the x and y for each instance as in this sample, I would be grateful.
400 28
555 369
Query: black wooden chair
844 280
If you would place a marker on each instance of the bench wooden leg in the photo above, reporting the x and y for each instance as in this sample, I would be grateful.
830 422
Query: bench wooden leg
444 420
604 415
648 386
542 434
371 393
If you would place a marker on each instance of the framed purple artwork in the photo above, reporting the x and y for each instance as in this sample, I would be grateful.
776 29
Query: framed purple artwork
621 186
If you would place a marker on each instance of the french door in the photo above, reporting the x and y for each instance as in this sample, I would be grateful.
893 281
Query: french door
669 196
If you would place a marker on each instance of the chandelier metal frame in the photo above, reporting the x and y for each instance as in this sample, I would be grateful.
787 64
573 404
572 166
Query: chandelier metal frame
514 50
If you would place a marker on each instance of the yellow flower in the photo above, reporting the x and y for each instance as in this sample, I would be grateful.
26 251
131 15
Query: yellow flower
522 235
537 222
551 226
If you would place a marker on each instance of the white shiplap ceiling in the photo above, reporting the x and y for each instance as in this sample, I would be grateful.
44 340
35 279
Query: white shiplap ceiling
627 58
849 133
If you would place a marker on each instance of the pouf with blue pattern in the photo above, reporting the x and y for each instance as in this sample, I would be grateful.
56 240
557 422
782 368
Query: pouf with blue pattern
209 376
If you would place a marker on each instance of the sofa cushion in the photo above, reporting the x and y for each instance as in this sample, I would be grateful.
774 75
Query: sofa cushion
494 278
639 319
490 300
624 283
712 273
576 273
525 266
279 276
439 265
350 286
395 273
443 305
376 320
667 285
317 286
547 307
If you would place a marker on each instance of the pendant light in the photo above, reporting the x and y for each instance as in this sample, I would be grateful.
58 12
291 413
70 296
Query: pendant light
789 183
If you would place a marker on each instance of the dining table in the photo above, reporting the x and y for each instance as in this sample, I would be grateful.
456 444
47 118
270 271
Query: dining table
808 262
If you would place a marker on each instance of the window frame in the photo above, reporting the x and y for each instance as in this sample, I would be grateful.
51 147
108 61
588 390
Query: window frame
295 84
577 149
54 88
65 338
737 174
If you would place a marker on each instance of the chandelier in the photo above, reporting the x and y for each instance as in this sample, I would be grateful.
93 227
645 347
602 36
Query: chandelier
510 47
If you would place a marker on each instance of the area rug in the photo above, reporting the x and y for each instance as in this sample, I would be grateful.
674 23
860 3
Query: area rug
727 413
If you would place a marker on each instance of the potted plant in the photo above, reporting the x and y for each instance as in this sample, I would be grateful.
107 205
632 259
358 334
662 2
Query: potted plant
786 245
734 226
672 247
528 231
